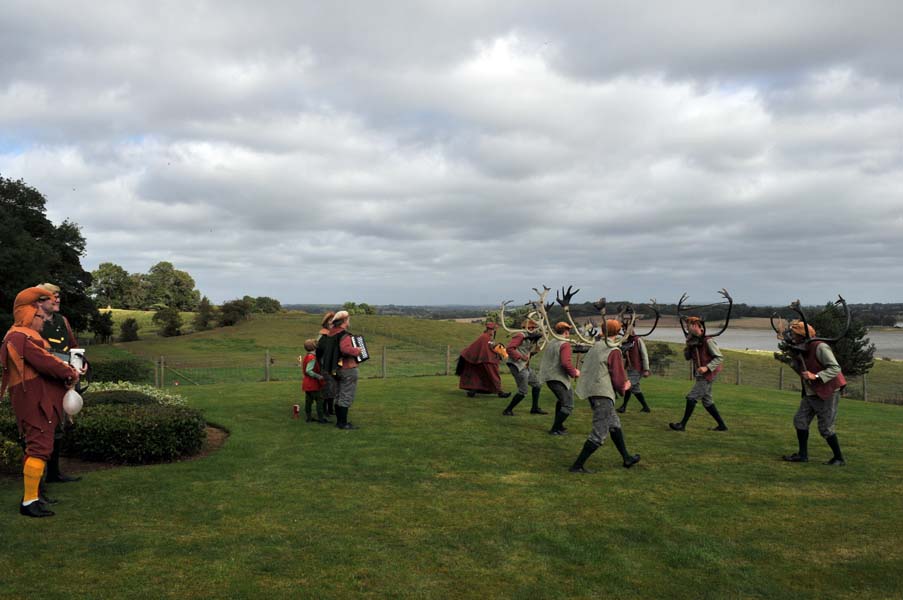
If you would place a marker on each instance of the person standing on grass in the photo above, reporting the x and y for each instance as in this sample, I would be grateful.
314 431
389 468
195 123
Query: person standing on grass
339 360
556 371
633 349
329 383
58 334
312 382
823 382
37 382
478 365
707 361
520 350
603 376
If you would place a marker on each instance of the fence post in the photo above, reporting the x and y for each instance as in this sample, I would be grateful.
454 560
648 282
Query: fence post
448 360
266 366
739 370
384 362
781 378
156 372
162 372
865 388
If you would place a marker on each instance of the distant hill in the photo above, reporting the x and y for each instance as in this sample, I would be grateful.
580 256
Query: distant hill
451 311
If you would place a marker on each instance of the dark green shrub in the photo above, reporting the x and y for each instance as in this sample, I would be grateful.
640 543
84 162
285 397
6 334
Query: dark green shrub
10 456
9 429
127 369
132 434
128 330
103 398
169 320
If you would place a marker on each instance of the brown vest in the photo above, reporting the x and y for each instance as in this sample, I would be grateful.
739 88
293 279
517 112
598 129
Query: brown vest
702 357
824 390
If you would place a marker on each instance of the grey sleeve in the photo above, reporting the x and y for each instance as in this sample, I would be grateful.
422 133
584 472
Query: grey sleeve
717 357
831 368
644 355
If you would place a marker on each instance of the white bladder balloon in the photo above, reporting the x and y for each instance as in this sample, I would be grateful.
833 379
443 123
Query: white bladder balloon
72 402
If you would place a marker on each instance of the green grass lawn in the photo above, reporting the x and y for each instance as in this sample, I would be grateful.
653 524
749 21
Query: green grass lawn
439 496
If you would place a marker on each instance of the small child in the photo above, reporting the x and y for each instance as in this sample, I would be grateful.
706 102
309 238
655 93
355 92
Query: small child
312 382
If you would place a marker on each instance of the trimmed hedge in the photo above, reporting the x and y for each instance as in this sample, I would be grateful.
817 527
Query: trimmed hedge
135 434
10 456
125 369
99 398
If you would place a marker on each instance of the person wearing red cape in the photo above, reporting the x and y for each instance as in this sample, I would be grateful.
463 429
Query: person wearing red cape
478 365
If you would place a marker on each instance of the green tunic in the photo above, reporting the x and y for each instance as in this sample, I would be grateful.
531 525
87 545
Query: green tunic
595 379
550 369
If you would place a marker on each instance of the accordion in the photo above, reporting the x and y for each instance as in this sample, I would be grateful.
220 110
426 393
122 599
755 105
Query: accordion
358 342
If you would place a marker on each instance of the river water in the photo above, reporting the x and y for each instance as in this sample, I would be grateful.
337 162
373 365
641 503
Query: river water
888 344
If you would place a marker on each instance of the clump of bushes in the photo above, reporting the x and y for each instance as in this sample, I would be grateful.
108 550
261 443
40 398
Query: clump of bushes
123 369
120 423
136 434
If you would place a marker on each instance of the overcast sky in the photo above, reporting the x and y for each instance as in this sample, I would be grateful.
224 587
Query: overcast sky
448 152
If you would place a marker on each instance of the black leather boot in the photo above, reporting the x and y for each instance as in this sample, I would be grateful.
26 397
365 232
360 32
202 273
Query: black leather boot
535 410
688 412
588 448
623 407
802 438
617 436
837 460
713 410
642 399
509 410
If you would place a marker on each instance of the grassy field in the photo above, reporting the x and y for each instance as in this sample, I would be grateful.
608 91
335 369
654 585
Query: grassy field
146 325
439 496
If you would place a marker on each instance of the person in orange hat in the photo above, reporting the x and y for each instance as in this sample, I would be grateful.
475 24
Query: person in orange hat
520 350
822 382
603 377
556 371
707 360
37 382
478 365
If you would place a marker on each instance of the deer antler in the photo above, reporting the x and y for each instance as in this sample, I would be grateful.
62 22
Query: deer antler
564 299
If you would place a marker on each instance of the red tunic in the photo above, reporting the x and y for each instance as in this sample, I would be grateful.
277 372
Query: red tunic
701 357
478 367
37 383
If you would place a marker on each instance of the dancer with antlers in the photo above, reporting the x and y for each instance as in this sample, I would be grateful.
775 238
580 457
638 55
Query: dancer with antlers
707 361
822 382
637 361
556 371
603 376
520 350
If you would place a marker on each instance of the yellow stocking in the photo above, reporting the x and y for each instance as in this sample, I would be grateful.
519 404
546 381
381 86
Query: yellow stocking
33 469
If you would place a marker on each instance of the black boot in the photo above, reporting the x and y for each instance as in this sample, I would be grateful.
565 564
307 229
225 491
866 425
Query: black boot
713 410
837 460
339 416
535 410
557 426
688 411
642 399
588 448
623 407
35 509
53 467
617 436
509 410
802 438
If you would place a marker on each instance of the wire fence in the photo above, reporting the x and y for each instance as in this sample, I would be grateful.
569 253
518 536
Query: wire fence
411 360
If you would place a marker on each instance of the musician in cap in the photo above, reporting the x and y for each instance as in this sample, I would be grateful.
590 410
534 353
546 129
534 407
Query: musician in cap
707 361
37 381
339 359
59 335
602 377
822 381
520 350
478 365
556 371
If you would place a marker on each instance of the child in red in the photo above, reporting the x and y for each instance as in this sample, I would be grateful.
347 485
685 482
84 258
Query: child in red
312 382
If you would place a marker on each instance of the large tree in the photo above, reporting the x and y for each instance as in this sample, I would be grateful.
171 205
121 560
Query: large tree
109 285
171 287
33 250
